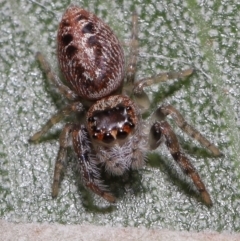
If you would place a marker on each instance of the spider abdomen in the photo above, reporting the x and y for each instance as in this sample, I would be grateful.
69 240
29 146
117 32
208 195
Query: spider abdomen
90 55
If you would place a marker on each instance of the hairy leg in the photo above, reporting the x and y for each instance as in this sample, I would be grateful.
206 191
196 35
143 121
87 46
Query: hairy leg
74 107
61 158
63 89
162 128
162 77
132 61
90 173
165 110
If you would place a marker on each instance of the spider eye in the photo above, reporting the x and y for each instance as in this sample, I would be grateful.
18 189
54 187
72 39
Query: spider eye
108 138
122 134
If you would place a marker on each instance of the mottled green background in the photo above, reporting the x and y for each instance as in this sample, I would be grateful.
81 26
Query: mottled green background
173 35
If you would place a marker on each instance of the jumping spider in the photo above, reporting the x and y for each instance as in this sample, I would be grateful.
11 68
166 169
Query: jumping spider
92 61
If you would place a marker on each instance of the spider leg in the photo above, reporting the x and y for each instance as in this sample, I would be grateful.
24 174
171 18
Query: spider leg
63 89
132 61
181 122
87 163
61 158
74 107
138 89
163 129
162 77
141 98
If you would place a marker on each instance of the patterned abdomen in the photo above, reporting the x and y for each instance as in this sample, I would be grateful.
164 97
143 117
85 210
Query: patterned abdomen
90 55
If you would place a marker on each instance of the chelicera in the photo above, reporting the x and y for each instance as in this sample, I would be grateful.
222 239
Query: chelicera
105 92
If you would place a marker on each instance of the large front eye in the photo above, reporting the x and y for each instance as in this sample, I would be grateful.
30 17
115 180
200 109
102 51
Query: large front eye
122 134
108 138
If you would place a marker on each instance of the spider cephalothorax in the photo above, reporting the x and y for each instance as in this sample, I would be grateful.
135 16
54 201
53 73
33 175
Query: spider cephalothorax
112 133
113 118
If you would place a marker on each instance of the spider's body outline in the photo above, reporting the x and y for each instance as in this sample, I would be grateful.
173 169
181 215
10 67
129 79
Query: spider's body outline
91 59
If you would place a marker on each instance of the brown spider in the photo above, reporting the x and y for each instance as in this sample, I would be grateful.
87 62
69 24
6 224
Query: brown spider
92 62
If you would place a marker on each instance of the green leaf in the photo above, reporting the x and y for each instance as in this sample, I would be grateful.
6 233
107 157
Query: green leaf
173 36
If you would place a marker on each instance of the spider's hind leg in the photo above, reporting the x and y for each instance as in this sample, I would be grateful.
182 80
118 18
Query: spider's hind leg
133 55
52 77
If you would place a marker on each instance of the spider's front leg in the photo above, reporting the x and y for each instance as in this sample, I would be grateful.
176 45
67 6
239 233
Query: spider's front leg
90 174
88 169
163 129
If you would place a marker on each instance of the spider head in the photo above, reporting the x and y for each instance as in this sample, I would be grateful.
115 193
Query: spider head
111 120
